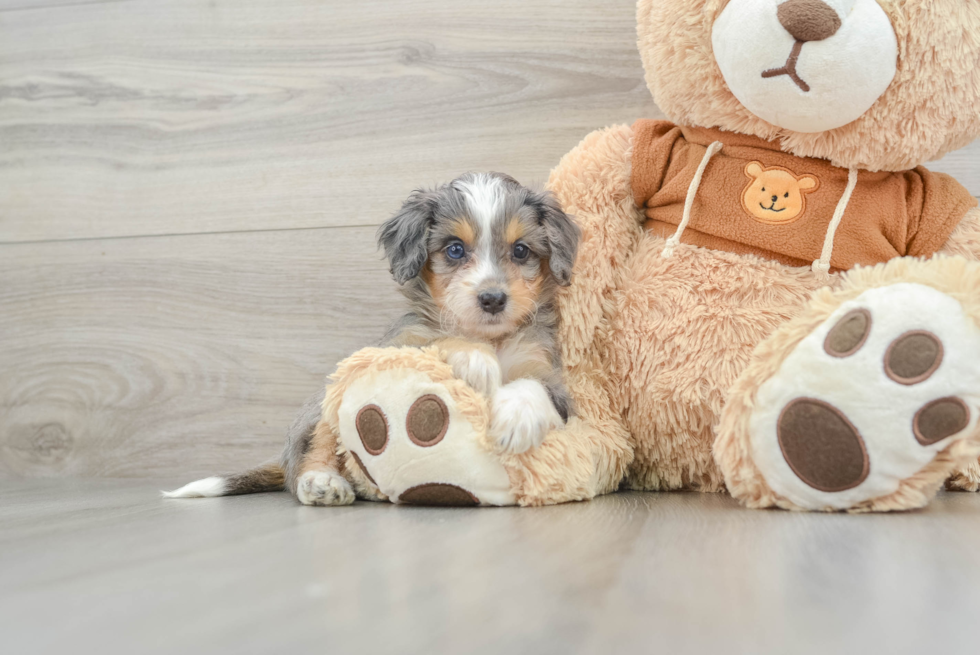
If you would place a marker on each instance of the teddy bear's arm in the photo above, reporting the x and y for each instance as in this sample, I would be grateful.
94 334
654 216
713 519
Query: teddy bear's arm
592 183
965 239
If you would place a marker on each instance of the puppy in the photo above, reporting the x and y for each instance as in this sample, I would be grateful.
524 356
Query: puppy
479 260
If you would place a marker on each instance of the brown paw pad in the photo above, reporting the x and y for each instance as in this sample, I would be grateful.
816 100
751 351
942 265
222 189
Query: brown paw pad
821 446
940 419
428 420
848 334
442 495
372 428
913 357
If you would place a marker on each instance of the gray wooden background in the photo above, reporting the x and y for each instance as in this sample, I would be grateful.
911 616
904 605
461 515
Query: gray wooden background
189 192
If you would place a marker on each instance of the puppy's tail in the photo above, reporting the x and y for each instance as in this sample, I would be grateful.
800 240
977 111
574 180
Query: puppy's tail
268 477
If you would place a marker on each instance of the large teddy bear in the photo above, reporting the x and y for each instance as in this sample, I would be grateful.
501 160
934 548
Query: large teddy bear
771 296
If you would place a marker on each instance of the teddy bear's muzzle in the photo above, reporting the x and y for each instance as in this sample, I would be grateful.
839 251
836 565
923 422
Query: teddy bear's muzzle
805 65
805 20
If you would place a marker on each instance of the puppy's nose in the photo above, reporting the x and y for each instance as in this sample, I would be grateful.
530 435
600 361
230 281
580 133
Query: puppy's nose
492 302
775 198
808 20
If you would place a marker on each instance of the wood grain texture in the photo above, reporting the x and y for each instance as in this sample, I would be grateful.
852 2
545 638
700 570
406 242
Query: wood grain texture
154 355
106 566
148 117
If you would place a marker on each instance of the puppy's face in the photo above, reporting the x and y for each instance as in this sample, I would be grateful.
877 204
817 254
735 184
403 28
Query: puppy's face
492 249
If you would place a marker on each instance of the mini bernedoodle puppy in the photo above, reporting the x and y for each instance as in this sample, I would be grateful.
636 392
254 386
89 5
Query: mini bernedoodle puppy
479 260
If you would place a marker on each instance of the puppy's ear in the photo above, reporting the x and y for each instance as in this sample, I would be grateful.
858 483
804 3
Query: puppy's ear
404 236
562 234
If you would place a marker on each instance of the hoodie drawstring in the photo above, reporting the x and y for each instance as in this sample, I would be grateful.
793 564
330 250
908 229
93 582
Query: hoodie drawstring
692 191
822 266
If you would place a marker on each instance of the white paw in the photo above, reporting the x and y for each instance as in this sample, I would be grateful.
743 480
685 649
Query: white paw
477 368
522 415
869 398
324 488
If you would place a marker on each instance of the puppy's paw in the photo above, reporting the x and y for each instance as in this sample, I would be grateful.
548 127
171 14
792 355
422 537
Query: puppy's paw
522 415
476 367
324 488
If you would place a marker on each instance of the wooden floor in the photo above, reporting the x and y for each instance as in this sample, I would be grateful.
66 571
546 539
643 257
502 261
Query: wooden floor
106 566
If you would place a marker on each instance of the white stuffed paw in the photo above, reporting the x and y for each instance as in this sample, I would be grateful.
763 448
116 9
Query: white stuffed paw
522 414
324 488
411 437
477 368
869 398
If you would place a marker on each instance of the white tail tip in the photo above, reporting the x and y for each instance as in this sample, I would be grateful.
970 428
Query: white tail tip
206 488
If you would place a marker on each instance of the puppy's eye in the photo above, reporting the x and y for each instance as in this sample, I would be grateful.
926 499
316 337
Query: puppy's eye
786 195
521 251
763 188
455 251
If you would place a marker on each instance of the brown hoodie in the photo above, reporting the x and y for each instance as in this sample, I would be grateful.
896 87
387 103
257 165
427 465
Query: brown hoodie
756 199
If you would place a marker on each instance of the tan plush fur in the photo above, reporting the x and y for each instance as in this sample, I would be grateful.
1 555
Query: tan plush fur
928 110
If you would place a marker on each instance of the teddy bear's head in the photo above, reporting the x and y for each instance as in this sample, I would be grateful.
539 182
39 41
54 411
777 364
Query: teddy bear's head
872 84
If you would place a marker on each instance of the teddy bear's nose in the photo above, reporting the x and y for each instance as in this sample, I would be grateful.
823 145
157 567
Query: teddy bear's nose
775 198
808 20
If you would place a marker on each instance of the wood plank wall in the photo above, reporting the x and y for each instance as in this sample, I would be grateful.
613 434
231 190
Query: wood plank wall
189 191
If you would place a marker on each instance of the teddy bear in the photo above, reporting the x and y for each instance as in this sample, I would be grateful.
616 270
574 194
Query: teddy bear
772 297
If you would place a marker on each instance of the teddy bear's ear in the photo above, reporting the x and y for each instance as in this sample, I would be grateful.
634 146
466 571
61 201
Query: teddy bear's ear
754 169
807 183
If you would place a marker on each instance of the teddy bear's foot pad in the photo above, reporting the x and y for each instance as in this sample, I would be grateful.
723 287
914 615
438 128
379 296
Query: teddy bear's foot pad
410 438
434 493
869 398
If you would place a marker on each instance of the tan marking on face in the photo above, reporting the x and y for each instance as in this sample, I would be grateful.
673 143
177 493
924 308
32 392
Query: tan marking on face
463 230
523 294
515 230
437 284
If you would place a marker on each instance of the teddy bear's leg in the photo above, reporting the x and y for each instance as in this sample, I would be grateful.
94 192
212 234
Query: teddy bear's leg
409 431
867 401
592 183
